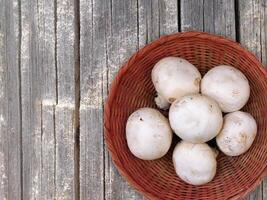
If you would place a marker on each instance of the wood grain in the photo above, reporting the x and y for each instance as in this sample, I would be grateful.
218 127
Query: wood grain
156 18
10 123
38 84
217 17
122 41
148 21
168 17
192 15
65 113
253 27
45 31
48 99
57 60
93 70
253 35
65 144
48 151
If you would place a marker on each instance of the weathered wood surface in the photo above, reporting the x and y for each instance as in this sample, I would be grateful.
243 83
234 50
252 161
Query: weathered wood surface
38 85
122 41
57 60
253 35
48 50
211 16
93 83
10 115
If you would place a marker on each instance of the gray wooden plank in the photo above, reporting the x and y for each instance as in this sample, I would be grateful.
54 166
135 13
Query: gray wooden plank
217 17
122 41
253 22
66 50
48 151
47 66
65 144
156 18
168 16
39 92
37 83
148 20
264 189
253 35
192 15
10 123
66 120
39 96
93 71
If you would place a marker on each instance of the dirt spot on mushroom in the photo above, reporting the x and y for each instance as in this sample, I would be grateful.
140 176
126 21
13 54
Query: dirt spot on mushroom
172 99
197 81
227 140
179 103
230 148
235 93
210 107
243 138
192 172
237 121
157 136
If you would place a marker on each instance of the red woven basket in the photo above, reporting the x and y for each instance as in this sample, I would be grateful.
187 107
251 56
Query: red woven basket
133 88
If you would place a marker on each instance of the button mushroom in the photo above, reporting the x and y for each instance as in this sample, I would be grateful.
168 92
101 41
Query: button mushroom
194 163
238 133
148 134
195 118
173 78
228 86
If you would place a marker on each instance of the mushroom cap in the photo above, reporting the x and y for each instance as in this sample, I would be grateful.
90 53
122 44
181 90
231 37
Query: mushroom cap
194 163
226 85
195 118
148 134
175 77
238 133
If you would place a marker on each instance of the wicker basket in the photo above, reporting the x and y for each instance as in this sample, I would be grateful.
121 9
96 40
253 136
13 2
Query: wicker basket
133 88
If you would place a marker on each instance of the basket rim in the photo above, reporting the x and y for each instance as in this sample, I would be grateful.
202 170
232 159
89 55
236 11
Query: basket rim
124 68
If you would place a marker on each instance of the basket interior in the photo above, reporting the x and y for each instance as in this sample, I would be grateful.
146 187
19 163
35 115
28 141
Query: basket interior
157 179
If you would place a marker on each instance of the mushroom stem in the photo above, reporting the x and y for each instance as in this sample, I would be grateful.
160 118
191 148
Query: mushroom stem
161 102
216 152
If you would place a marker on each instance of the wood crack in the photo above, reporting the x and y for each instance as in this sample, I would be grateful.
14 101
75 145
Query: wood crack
77 100
20 99
237 23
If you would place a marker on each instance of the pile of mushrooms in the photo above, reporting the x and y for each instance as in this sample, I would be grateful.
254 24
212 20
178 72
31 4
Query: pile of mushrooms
196 106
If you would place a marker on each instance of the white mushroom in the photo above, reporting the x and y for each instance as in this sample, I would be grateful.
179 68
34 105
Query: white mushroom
195 118
173 78
238 133
148 134
228 86
194 163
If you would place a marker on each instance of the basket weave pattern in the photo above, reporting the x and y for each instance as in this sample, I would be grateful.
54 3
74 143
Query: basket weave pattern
132 88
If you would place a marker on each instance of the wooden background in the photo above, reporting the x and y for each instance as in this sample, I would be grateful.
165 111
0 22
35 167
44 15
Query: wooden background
57 60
